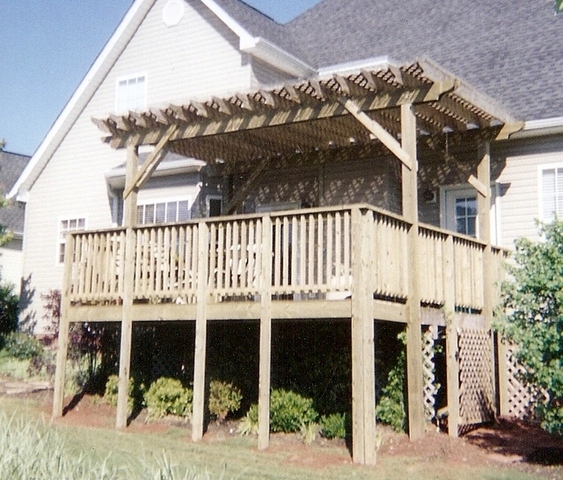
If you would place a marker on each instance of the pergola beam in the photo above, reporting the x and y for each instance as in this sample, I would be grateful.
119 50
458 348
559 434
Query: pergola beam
149 166
383 135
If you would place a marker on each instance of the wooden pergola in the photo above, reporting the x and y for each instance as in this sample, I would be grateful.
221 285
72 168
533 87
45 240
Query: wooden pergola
393 106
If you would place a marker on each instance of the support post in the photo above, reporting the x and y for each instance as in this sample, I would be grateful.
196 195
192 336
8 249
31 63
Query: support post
265 335
363 351
452 355
414 340
200 333
484 219
64 326
129 220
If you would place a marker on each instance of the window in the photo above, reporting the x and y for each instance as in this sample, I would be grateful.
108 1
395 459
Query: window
68 226
131 94
459 211
466 215
163 212
551 193
214 205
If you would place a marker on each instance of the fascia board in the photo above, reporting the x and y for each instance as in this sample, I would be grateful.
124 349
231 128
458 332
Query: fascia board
77 102
259 47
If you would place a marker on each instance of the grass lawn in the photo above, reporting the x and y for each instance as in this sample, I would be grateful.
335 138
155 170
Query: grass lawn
169 454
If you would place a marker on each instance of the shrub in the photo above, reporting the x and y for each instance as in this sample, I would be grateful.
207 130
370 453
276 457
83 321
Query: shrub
167 396
224 398
249 423
334 425
289 410
532 318
23 346
112 389
391 408
8 308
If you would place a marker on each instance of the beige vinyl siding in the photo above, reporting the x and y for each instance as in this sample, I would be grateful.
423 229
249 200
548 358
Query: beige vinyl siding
198 57
520 192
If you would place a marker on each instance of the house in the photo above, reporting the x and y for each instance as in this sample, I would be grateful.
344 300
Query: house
374 155
12 218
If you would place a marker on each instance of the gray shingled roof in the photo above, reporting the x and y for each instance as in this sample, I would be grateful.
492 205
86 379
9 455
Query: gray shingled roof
510 50
11 167
260 25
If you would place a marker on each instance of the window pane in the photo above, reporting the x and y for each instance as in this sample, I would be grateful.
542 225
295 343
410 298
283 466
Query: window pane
149 213
171 211
140 214
183 211
160 216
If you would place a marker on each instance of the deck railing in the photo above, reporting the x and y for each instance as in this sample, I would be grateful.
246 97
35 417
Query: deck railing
311 252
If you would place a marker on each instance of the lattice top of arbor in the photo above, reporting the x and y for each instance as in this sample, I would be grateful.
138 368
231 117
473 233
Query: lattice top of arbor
310 115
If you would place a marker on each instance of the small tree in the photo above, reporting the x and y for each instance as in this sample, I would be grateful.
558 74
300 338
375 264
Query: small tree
532 317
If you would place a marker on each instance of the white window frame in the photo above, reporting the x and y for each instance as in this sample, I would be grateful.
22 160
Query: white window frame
541 168
449 193
166 201
138 106
62 233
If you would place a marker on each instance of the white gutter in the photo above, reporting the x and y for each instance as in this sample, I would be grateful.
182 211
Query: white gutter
372 63
72 103
542 127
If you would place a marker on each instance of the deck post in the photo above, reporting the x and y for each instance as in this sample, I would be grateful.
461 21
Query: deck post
64 326
485 235
452 362
129 220
414 334
200 333
265 335
363 368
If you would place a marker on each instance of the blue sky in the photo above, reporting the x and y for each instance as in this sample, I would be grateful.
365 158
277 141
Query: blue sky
46 48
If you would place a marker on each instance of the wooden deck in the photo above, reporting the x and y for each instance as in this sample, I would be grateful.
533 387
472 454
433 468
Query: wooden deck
309 256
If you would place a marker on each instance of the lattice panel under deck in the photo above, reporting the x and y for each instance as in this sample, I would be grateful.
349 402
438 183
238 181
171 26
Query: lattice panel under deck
522 398
476 390
429 338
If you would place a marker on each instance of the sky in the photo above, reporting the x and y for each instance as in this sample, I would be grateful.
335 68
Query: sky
46 49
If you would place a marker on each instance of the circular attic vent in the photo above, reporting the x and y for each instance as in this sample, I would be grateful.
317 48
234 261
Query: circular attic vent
173 12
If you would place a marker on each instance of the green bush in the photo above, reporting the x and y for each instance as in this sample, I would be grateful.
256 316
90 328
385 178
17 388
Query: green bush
23 346
391 408
289 410
112 388
167 396
8 308
334 425
531 317
224 398
249 423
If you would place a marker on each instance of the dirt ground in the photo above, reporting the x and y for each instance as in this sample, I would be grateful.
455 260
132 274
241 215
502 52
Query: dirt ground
522 445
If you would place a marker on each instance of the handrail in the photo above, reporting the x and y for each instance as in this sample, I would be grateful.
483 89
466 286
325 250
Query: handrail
311 258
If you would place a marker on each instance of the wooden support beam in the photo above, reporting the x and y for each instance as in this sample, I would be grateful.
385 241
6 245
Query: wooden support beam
265 335
242 192
129 219
149 166
414 339
452 361
200 334
363 373
481 187
385 137
64 325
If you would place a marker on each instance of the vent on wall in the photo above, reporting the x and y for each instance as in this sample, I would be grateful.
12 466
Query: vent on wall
173 12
